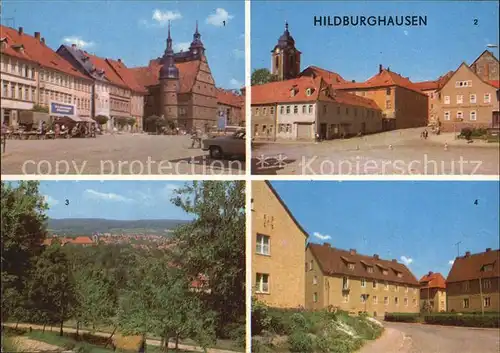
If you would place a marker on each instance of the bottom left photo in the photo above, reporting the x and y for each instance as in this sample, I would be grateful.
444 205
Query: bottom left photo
123 266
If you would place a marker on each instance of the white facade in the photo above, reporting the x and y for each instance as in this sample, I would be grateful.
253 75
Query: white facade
296 121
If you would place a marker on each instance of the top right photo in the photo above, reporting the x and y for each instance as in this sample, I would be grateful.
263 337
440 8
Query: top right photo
375 88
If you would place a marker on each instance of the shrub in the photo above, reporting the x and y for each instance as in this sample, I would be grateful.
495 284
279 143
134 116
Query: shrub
467 320
258 347
402 317
332 340
101 119
300 342
298 322
260 317
238 335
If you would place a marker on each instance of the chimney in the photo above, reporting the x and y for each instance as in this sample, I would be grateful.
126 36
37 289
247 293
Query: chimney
467 253
353 81
327 245
352 251
120 60
394 260
430 273
21 30
43 40
380 68
73 46
375 256
388 69
37 35
488 249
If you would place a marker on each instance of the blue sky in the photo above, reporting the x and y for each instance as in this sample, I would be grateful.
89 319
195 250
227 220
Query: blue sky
421 221
136 31
124 200
422 53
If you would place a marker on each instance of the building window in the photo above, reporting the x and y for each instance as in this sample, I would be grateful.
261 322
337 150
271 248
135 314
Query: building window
446 99
363 282
487 302
414 302
257 111
473 115
288 109
396 300
396 288
308 92
310 108
20 92
374 284
5 89
362 298
460 99
388 104
386 286
345 282
350 266
406 301
370 269
386 300
487 98
311 265
315 297
384 272
375 299
345 296
472 98
315 280
27 93
303 109
466 286
446 115
465 303
263 244
486 284
388 91
406 289
271 110
460 115
262 283
295 109
346 111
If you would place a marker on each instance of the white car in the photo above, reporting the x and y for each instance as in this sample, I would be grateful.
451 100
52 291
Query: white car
226 146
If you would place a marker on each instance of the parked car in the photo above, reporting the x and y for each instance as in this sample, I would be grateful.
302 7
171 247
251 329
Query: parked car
226 146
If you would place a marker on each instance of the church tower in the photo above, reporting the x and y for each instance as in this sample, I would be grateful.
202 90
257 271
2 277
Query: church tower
285 57
196 48
169 83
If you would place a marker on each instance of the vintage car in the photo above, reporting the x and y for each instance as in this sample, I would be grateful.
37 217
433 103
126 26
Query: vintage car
226 146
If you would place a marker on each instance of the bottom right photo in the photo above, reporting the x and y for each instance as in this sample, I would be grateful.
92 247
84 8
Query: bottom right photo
375 266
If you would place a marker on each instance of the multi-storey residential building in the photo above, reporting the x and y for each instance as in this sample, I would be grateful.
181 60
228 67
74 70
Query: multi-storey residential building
358 283
306 106
278 250
33 74
230 106
466 100
431 89
473 283
433 291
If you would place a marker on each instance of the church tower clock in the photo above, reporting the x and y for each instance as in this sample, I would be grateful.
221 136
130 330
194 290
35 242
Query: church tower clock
285 57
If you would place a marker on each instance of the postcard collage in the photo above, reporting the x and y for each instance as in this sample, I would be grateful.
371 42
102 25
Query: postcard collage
250 176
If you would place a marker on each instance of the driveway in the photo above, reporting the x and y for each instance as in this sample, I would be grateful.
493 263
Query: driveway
418 338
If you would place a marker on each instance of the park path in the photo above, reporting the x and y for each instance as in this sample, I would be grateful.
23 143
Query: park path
149 341
29 345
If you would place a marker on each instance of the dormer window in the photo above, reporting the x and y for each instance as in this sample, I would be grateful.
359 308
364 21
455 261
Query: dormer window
384 272
308 92
3 42
18 48
370 269
400 274
350 266
293 92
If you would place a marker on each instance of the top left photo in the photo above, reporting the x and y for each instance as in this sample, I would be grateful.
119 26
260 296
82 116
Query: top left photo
122 88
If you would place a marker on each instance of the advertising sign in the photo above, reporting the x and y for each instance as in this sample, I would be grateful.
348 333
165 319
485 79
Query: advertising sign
59 109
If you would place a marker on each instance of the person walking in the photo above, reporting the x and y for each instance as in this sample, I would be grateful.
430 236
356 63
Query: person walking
195 137
4 136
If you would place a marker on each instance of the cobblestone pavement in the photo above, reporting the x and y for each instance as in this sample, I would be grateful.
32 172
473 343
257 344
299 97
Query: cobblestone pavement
390 153
113 155
418 338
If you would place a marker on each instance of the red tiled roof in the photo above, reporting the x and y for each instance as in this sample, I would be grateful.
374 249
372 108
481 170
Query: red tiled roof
433 280
433 85
229 98
149 75
329 77
331 261
110 74
127 75
495 83
353 99
35 51
82 241
470 267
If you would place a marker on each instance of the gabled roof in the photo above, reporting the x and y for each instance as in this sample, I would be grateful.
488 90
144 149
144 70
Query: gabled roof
109 73
82 241
433 280
330 77
331 261
434 85
229 98
464 64
268 183
486 52
35 51
126 75
471 266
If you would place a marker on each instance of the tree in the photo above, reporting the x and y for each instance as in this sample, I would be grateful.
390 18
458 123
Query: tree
101 119
40 108
23 232
152 123
261 76
214 243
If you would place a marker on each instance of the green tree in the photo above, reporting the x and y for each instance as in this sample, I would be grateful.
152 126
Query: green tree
40 108
261 76
23 232
214 244
101 119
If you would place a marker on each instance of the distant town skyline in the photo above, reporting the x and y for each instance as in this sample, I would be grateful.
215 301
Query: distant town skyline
415 222
418 52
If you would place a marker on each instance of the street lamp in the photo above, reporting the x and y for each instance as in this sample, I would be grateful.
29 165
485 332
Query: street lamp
492 45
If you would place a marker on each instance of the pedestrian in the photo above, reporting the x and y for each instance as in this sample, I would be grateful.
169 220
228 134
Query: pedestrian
4 136
426 134
195 138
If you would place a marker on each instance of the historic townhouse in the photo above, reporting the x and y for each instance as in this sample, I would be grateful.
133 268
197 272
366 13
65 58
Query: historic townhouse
486 66
358 283
278 250
430 88
433 291
230 107
465 100
473 282
33 74
302 107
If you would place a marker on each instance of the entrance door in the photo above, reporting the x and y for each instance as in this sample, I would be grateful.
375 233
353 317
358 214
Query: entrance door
495 119
303 131
322 131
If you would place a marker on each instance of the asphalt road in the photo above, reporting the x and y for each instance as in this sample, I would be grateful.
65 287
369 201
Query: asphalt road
126 154
418 338
390 153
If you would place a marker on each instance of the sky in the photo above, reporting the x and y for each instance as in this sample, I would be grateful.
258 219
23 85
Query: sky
422 53
417 223
136 31
121 200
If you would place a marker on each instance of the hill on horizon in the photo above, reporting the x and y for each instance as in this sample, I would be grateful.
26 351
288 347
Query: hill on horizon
88 226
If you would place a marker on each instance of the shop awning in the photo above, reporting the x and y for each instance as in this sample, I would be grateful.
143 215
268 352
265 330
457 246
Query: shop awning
87 119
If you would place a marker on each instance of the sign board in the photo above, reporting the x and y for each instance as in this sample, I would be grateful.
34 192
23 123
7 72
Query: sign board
221 120
59 109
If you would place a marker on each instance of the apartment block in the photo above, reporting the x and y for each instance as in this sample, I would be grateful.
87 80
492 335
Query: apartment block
433 291
473 283
358 283
278 250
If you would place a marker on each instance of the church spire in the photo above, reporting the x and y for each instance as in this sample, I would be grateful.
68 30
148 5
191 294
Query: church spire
168 69
196 46
169 41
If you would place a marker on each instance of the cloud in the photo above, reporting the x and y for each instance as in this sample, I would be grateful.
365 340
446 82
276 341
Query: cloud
235 83
184 46
406 260
238 53
50 200
106 196
219 17
162 17
451 262
80 43
321 236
